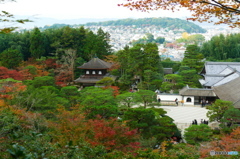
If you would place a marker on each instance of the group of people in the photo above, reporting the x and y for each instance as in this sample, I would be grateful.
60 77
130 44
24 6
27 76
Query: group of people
176 100
194 122
204 102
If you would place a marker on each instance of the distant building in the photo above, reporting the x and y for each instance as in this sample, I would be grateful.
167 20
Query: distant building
218 73
224 79
220 80
167 71
94 70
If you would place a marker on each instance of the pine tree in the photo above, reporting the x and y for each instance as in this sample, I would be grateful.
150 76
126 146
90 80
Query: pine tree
37 43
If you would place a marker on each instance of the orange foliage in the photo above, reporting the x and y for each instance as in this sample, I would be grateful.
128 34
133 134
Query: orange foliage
40 69
226 11
226 143
69 127
115 90
112 59
2 103
10 90
72 126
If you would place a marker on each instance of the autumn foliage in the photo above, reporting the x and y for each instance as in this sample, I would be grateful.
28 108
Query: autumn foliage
30 69
10 90
6 73
227 12
112 134
226 143
114 88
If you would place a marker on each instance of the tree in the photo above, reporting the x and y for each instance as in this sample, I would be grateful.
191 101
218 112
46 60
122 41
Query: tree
230 119
42 99
128 99
198 133
106 81
226 12
222 47
146 96
160 40
37 43
172 82
6 73
11 58
150 123
112 135
193 58
226 143
190 77
42 81
103 46
134 61
96 101
217 109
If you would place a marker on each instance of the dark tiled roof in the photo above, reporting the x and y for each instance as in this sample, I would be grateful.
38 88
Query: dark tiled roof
229 91
96 63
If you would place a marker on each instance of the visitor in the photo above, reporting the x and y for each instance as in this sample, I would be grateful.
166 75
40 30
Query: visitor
176 100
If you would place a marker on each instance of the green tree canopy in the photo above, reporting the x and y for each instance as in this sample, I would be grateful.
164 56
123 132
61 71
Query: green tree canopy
37 43
193 58
128 99
146 96
150 123
230 120
217 109
97 101
198 133
11 58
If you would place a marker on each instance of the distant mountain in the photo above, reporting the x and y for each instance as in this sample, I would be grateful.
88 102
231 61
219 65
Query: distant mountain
171 23
44 21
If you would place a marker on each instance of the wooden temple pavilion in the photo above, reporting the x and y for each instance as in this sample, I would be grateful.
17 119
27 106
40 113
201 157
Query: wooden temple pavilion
94 70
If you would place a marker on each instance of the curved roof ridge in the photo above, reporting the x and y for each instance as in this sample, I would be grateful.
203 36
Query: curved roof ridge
96 63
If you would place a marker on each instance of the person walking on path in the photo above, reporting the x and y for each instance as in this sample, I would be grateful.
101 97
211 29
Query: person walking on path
159 99
176 100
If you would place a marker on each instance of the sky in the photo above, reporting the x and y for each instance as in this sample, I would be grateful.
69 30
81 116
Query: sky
76 9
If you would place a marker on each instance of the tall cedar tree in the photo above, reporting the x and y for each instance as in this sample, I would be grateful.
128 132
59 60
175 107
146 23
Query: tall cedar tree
37 43
193 58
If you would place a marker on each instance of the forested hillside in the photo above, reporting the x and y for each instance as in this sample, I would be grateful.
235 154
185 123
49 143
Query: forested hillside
171 23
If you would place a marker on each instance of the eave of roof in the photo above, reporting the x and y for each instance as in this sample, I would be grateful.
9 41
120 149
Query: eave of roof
186 91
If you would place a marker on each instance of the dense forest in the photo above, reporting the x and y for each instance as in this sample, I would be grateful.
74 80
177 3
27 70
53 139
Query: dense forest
44 114
222 48
170 23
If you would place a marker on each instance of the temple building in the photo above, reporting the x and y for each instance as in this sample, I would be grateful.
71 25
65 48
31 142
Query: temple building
94 70
221 80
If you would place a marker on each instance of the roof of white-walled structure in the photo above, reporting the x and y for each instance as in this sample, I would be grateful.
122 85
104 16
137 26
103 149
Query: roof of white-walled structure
186 91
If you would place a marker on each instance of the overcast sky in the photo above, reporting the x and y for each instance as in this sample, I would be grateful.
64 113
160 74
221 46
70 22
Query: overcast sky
76 9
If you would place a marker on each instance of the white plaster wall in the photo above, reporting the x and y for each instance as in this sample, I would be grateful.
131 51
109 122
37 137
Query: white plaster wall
171 97
188 103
